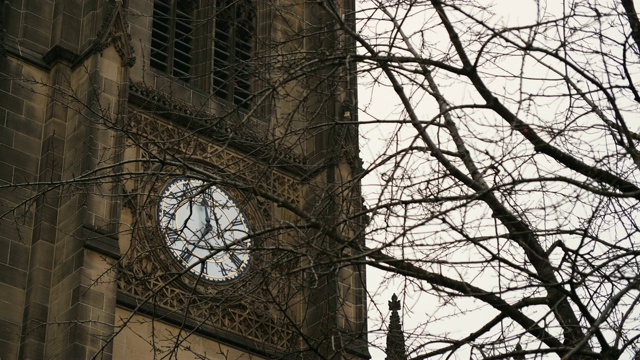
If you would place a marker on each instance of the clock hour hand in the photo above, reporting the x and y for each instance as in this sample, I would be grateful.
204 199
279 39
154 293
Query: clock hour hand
207 226
188 253
205 204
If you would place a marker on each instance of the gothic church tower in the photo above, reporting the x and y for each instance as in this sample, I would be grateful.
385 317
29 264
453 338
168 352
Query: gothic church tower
179 179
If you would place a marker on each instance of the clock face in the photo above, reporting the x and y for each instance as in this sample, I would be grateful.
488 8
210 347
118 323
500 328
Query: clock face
204 229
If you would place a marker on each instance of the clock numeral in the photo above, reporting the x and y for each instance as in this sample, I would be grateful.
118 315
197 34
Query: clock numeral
236 260
173 235
190 188
187 186
236 222
186 255
204 266
223 270
168 214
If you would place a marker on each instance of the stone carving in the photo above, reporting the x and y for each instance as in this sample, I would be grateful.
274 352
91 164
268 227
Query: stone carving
149 273
115 30
240 317
246 136
155 137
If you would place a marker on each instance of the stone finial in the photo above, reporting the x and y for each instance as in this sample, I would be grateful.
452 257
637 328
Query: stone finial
394 304
396 349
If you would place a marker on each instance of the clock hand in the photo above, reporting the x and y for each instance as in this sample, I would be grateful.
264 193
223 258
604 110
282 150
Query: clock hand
207 227
205 204
187 252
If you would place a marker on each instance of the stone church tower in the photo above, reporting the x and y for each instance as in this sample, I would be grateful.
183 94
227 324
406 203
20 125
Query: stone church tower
179 179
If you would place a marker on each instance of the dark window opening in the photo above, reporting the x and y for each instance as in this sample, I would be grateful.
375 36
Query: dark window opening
234 29
181 40
172 37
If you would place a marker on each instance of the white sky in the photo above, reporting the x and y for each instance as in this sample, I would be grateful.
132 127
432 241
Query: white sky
383 104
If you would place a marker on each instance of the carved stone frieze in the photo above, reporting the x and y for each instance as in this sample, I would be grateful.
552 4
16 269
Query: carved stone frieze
243 318
150 275
161 140
246 135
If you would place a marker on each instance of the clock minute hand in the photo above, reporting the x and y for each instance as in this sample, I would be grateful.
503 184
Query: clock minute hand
205 204
207 227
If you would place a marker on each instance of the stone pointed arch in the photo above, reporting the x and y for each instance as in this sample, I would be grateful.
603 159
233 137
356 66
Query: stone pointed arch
115 31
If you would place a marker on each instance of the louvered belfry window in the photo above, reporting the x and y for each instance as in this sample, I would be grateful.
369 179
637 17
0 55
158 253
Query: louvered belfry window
181 40
172 37
234 29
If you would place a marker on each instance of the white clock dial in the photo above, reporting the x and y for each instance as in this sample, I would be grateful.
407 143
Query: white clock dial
204 229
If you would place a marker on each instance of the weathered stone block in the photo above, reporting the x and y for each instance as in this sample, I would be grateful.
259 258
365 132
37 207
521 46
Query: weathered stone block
24 125
31 349
21 176
42 8
37 36
6 174
46 233
88 296
71 32
19 256
75 351
89 30
16 158
42 256
5 81
38 22
6 136
12 312
88 6
62 271
12 276
11 295
8 348
11 103
9 70
3 117
40 279
4 248
27 144
49 214
55 128
75 7
12 24
27 92
34 111
38 315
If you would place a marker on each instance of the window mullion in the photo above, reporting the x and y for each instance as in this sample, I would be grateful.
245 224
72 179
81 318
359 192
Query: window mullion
233 60
172 39
161 35
223 50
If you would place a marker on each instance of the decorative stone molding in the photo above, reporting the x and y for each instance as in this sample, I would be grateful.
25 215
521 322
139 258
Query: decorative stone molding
246 136
115 31
160 139
243 318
